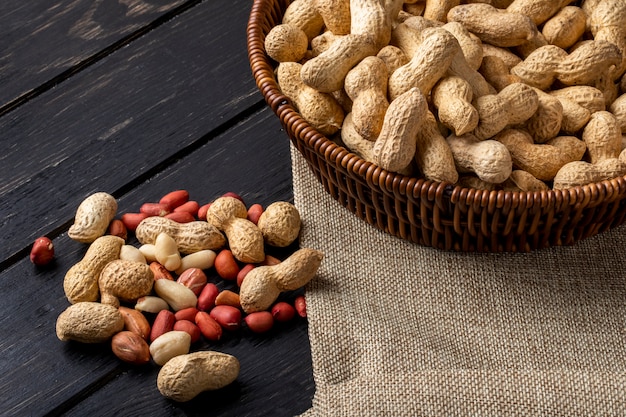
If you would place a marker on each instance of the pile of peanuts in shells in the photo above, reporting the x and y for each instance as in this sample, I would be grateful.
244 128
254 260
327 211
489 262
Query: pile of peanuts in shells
520 95
154 302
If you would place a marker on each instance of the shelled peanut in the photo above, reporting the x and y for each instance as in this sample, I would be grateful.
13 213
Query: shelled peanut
541 67
173 294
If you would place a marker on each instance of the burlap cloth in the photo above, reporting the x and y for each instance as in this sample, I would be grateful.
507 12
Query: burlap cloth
398 329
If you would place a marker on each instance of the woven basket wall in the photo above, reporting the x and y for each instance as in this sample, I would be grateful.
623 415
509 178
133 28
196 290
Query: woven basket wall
432 213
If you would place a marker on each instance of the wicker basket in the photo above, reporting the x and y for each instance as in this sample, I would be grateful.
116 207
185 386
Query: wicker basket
432 213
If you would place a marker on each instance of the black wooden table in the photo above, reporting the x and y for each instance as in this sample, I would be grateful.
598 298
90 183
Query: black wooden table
135 98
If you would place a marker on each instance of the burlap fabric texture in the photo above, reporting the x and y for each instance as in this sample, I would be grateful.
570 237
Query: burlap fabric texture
398 329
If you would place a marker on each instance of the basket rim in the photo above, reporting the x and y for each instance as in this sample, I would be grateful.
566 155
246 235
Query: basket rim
262 67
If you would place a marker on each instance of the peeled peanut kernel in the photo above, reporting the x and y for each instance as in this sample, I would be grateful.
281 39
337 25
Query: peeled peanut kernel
130 348
174 199
176 295
170 345
202 259
166 252
92 218
185 376
151 304
131 253
148 251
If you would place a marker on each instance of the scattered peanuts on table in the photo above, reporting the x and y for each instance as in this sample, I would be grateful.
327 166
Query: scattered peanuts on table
542 69
152 303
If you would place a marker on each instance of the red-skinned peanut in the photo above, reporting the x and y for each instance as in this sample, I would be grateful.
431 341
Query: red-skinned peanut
210 329
282 311
228 317
154 209
193 278
189 327
254 212
174 199
132 220
160 272
206 299
188 313
234 195
202 211
243 272
226 265
300 305
117 228
163 323
260 321
42 252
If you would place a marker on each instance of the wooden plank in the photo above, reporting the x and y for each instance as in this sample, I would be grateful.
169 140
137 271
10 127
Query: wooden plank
40 41
41 374
116 122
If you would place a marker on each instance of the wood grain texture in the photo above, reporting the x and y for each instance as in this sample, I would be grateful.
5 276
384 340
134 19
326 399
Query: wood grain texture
175 108
40 40
251 159
122 118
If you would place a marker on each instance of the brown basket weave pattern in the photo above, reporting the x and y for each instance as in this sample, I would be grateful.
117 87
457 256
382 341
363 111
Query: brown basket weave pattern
432 213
